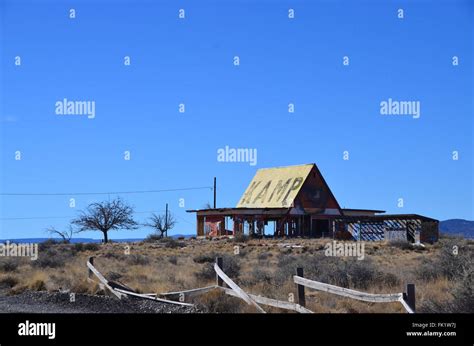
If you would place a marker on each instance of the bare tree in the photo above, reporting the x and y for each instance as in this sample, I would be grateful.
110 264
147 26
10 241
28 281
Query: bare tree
106 216
161 223
65 235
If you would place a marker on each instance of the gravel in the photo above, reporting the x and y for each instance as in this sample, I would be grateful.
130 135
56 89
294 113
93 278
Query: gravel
56 302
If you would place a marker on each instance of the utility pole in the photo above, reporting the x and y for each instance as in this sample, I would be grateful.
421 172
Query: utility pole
166 220
214 192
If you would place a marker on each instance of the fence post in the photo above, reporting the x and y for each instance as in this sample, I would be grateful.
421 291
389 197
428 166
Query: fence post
300 288
91 261
220 282
409 296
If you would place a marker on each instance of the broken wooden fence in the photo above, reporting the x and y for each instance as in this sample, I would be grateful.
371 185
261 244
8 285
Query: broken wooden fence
251 299
406 299
120 290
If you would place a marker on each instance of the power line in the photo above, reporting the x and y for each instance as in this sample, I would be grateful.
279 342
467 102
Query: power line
103 193
34 218
184 220
66 217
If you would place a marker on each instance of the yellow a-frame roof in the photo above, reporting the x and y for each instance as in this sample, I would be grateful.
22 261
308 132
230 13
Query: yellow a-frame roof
275 187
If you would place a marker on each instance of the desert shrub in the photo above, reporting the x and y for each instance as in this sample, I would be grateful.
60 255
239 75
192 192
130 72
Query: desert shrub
8 281
45 245
207 272
264 256
81 286
231 266
460 299
360 274
172 243
388 279
240 238
455 265
342 272
400 244
51 259
286 268
152 238
173 260
448 263
346 273
91 247
113 276
218 302
137 259
428 270
80 247
38 285
9 265
259 275
205 258
117 256
463 293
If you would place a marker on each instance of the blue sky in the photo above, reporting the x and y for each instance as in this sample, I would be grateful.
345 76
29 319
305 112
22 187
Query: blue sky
190 61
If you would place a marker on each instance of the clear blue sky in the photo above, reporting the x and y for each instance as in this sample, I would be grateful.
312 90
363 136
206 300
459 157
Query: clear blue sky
190 61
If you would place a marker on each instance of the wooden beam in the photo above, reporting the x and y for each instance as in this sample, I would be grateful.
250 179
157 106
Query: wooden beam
270 302
189 293
237 289
145 296
410 296
101 278
346 292
219 280
300 288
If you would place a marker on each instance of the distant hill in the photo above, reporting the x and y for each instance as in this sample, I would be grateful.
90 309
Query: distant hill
457 227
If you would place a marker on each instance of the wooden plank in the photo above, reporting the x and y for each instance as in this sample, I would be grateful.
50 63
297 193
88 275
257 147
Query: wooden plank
237 289
152 298
219 281
189 293
410 296
102 279
346 292
406 306
300 288
270 302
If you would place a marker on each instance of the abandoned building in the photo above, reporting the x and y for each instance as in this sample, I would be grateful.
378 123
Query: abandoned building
295 201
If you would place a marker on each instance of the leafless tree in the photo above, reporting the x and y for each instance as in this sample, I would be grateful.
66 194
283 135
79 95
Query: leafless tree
106 216
161 223
65 235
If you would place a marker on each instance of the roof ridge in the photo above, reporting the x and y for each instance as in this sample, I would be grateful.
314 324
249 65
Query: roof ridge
289 166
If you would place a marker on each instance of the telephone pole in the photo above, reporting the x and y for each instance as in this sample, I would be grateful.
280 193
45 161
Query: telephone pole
214 192
166 220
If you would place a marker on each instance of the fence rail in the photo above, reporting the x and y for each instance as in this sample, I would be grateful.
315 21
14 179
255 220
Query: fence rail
406 299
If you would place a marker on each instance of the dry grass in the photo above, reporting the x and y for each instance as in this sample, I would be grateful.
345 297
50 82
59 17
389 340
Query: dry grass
263 267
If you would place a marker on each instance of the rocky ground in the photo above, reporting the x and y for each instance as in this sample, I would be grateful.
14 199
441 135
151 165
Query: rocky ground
56 302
